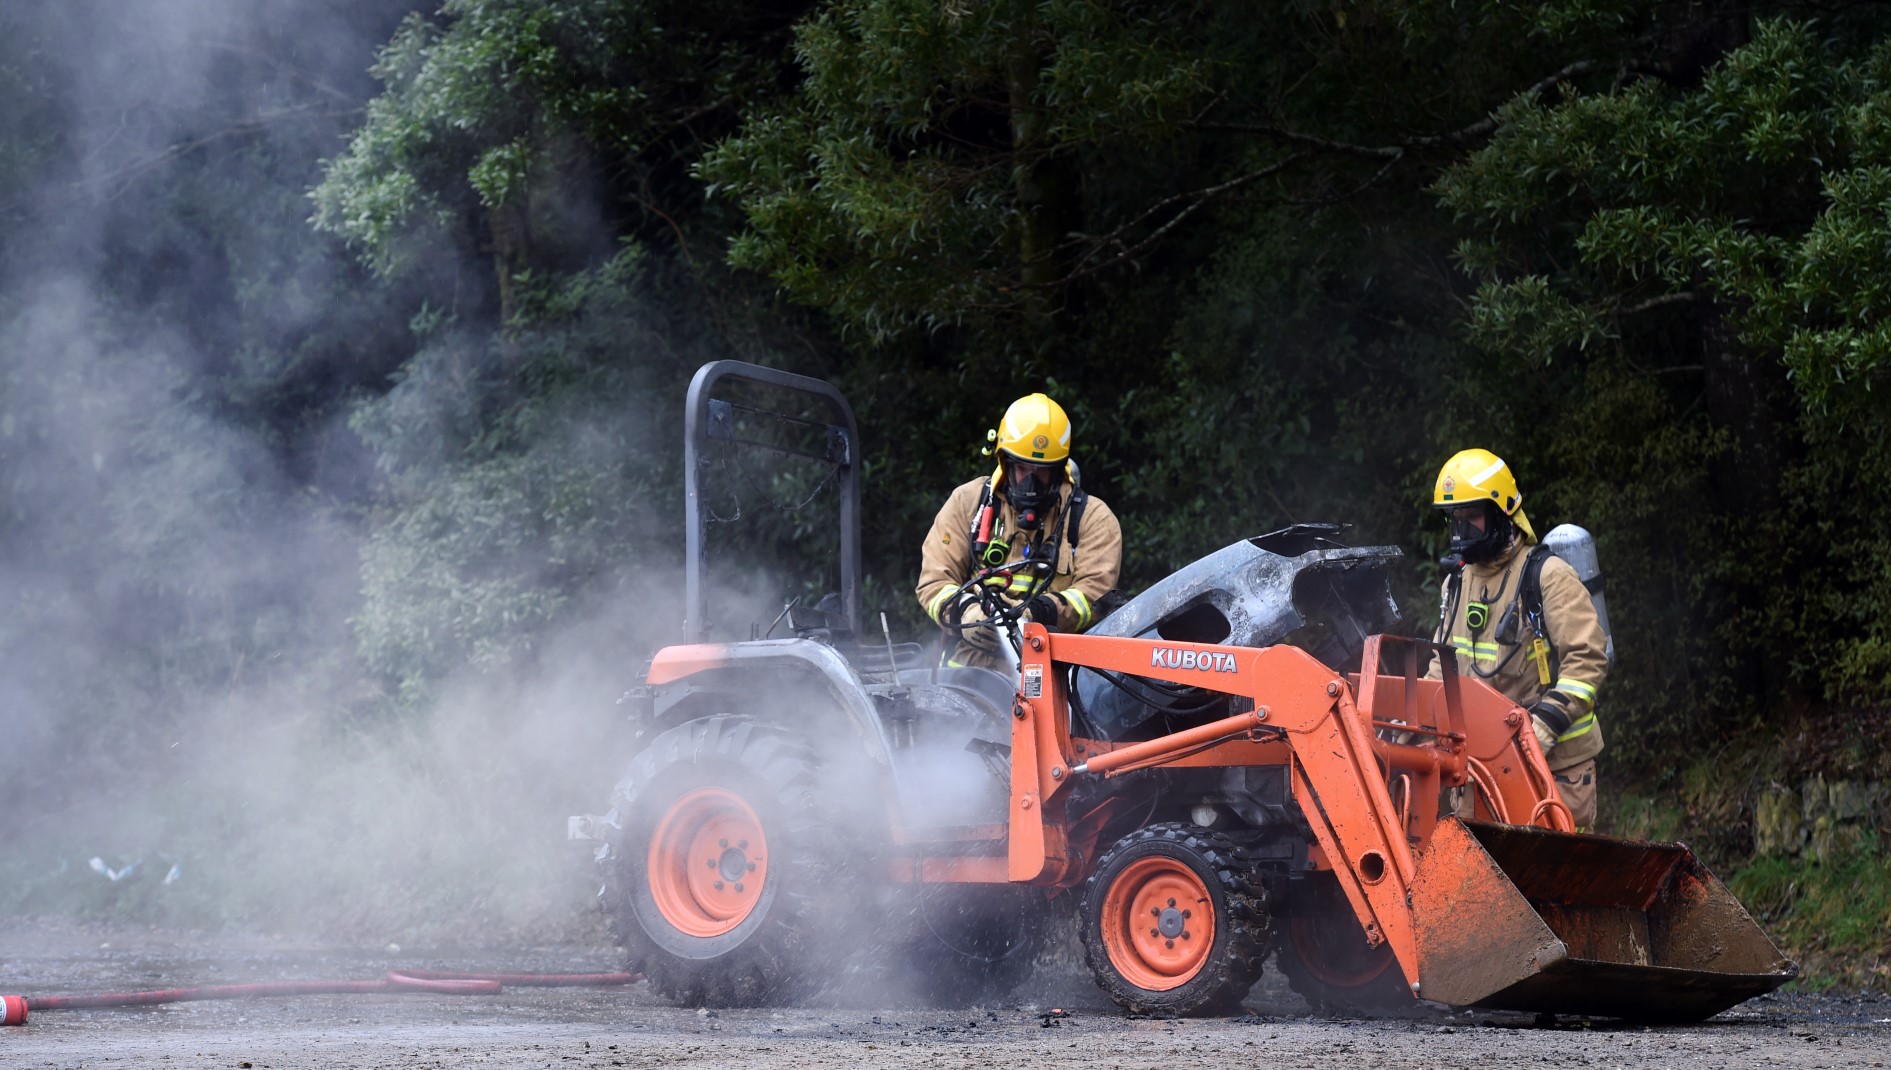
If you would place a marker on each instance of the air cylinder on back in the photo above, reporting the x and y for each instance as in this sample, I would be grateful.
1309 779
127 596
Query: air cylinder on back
1576 546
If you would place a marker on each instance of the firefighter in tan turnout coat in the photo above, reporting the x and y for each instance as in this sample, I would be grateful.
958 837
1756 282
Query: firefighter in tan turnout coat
1521 620
1032 508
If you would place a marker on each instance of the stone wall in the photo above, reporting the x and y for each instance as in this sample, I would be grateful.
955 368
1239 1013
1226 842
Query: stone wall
1820 820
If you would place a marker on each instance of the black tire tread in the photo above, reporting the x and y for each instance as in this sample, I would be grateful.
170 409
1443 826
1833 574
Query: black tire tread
788 960
1228 976
949 977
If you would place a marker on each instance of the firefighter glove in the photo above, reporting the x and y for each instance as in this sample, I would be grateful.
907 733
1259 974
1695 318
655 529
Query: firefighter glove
974 631
1545 735
1549 718
1043 610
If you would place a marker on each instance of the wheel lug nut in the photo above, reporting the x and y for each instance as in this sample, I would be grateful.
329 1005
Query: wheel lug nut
1168 943
1188 914
1153 932
1171 902
725 843
738 886
1155 912
712 863
718 886
751 867
1184 931
742 844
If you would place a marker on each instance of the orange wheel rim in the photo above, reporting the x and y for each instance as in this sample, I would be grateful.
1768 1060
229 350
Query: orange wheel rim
1158 923
708 861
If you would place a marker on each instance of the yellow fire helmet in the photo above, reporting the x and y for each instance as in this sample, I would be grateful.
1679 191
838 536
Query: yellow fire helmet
1480 475
1034 429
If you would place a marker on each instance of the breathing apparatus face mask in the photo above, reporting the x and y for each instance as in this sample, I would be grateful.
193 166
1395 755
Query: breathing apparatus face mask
1032 489
1479 532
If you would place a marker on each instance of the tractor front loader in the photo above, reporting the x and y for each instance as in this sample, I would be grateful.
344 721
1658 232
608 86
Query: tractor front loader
1237 763
1511 910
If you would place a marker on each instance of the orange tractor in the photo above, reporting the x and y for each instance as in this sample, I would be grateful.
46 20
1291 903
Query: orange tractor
1234 764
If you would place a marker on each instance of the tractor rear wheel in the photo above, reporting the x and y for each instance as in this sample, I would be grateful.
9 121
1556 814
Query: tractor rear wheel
1322 952
1175 921
721 882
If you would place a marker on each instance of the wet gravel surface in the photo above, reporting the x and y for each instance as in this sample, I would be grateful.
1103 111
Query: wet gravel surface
1066 1023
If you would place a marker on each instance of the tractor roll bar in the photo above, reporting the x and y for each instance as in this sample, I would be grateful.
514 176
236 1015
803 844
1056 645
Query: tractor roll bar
706 417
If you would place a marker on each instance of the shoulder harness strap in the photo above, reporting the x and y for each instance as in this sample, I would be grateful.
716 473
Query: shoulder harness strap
1448 602
1530 594
1073 521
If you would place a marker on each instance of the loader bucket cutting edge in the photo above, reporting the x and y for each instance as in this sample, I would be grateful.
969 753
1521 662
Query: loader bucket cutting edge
1521 918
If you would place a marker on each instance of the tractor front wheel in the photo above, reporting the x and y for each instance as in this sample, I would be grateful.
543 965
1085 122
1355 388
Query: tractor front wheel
1175 921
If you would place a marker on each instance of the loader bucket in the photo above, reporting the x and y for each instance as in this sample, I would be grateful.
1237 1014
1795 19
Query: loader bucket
1522 918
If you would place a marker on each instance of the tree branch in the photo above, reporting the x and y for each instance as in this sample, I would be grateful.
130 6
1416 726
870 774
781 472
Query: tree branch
1457 137
283 66
1658 302
1390 155
1368 183
1293 137
1489 122
1198 198
116 182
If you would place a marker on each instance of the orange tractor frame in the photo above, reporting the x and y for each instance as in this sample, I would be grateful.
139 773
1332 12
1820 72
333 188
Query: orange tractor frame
1513 911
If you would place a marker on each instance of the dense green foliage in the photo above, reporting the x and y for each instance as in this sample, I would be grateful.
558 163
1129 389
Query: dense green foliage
1708 256
529 444
926 172
345 344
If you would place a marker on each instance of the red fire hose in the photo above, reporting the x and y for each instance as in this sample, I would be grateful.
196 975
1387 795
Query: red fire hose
13 1009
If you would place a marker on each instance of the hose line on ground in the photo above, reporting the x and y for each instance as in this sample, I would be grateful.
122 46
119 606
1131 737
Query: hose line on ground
14 1009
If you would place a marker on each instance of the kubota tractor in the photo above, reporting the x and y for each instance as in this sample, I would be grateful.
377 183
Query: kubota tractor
1236 762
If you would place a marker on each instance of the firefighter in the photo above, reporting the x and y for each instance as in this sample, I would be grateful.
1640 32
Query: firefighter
1521 620
1032 508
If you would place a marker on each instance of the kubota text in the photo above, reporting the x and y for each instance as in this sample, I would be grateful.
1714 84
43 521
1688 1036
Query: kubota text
1163 657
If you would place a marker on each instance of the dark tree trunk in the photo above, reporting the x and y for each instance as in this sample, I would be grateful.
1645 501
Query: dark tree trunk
1747 396
1044 189
1699 34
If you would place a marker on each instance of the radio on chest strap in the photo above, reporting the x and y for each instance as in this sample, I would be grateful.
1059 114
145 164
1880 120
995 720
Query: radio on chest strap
980 533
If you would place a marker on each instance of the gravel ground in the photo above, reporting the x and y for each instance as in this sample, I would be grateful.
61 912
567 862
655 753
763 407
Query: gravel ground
633 1027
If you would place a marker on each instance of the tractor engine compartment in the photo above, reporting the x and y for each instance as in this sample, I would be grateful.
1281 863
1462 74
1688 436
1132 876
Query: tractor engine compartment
1298 586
